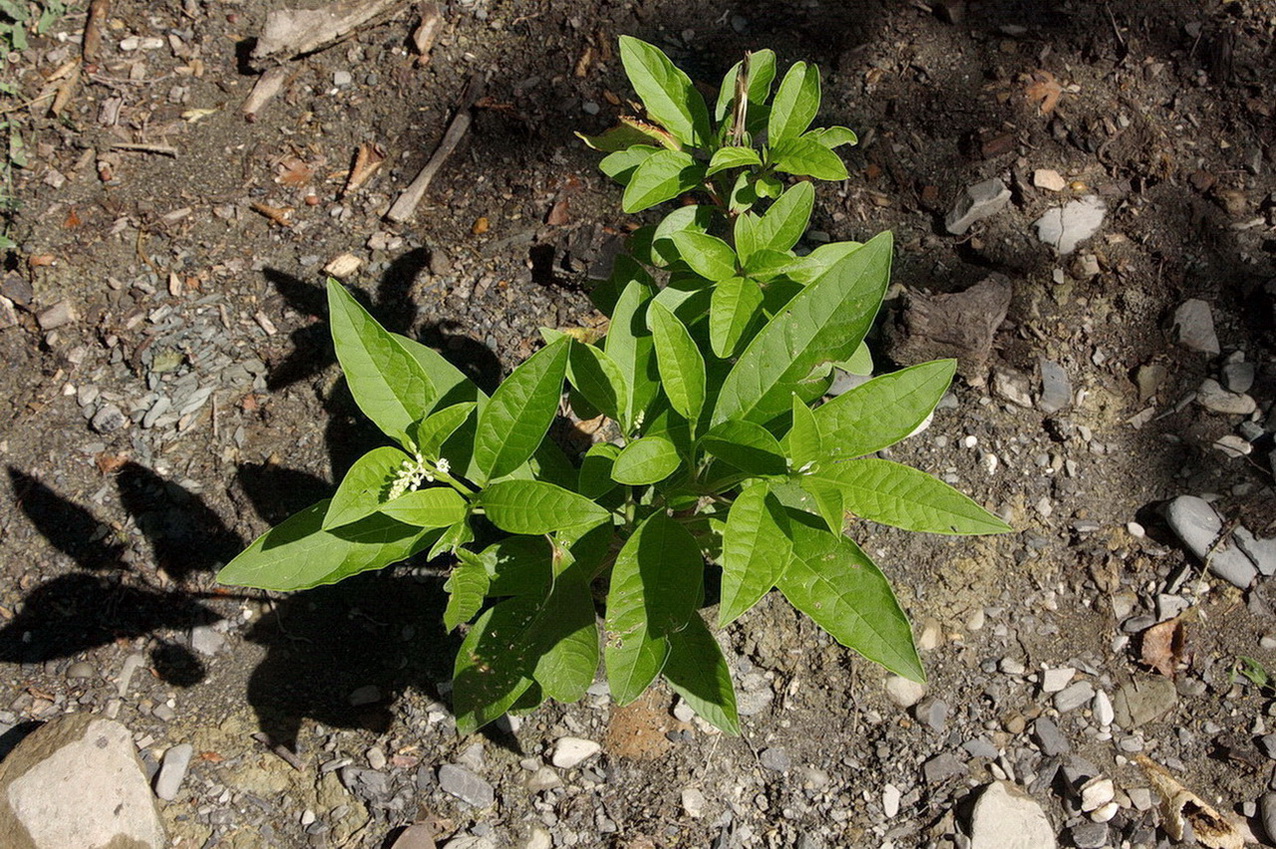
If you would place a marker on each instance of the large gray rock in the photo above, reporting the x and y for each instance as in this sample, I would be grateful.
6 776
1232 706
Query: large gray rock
976 203
77 782
1194 522
1005 817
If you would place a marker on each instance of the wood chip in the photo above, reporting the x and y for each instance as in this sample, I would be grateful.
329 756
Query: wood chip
367 161
268 85
294 32
94 21
275 214
1181 807
427 31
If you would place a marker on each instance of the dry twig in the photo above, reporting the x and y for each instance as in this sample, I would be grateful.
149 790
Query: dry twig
407 203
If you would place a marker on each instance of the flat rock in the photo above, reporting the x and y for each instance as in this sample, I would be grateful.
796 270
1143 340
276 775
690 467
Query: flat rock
1194 326
1056 389
958 324
976 203
1212 396
77 782
1196 524
173 771
1073 696
466 786
1142 700
1049 738
1005 817
1267 811
1067 226
1261 551
416 836
1013 386
1049 179
1239 377
572 751
942 767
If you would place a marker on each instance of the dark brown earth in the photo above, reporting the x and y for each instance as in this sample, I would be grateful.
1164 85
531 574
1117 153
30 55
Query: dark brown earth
178 288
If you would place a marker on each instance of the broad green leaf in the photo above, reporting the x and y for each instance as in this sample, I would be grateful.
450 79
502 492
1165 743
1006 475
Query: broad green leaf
732 157
599 379
907 498
645 461
782 225
451 386
566 636
536 507
761 75
811 267
860 363
494 665
765 264
687 296
630 346
755 551
747 446
662 176
736 303
708 256
466 587
622 164
832 137
298 554
803 443
667 92
656 586
743 195
697 671
768 186
365 487
519 413
520 566
832 581
430 434
695 218
795 104
595 470
629 132
825 322
826 499
436 507
808 158
682 373
452 538
882 411
386 381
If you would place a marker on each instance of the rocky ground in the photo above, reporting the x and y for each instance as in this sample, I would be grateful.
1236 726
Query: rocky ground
169 393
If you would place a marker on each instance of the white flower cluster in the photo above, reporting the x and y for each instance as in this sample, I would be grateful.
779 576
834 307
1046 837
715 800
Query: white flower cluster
411 474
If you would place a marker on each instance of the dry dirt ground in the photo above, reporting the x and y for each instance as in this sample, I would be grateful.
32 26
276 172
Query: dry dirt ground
168 392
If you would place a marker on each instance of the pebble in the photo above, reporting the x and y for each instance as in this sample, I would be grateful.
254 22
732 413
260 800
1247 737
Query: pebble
466 786
1089 835
1049 179
108 419
58 315
539 838
1194 326
80 669
1212 396
1049 738
207 640
543 778
976 203
942 767
683 712
1102 708
1105 813
570 752
1073 696
1070 225
981 747
132 663
1056 389
932 713
1238 377
1268 744
1005 817
1261 551
1194 522
173 771
1267 812
1142 700
891 796
1012 386
341 79
904 692
1096 793
417 836
693 802
1012 666
1054 680
376 758
775 758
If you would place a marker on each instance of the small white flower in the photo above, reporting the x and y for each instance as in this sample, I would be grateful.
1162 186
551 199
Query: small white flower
443 466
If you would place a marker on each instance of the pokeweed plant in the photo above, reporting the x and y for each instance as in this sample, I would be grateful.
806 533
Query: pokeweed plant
725 460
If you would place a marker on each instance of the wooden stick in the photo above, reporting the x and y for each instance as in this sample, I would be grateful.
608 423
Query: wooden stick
407 203
268 85
93 23
162 149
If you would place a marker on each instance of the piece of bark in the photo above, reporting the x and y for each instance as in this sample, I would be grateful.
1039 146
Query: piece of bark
427 32
407 202
296 32
268 85
958 325
94 21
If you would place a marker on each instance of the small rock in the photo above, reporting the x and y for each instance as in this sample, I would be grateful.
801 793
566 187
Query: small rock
416 836
775 758
207 640
376 758
1104 813
1004 817
1268 744
890 800
932 713
1194 326
1102 708
539 838
1267 811
1261 551
343 266
1238 377
1097 792
1012 386
1194 522
369 694
543 778
1149 379
1212 396
1089 835
942 767
1073 696
58 315
1142 700
1054 680
340 79
108 419
1049 738
1056 389
1050 180
570 752
80 669
693 802
976 203
1075 222
173 771
1233 446
683 712
904 692
981 747
466 786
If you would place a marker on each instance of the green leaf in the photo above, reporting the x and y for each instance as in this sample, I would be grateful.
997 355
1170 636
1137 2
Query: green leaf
430 434
761 75
629 132
795 104
803 443
882 411
437 507
687 296
732 157
536 507
452 539
667 92
450 385
520 566
747 446
811 267
708 256
765 264
515 420
298 554
494 665
622 164
656 586
825 322
682 373
365 487
595 470
466 587
808 158
662 176
697 671
566 636
736 303
386 381
755 551
695 218
832 137
782 225
907 498
630 345
645 461
860 363
832 581
599 379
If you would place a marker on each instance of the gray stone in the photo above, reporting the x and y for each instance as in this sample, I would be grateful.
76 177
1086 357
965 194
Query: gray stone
981 747
466 786
942 767
207 640
1261 551
976 203
1056 389
1065 227
1267 811
932 713
58 315
1212 396
1142 700
775 758
904 692
173 771
1268 744
1194 326
1238 377
368 784
1194 522
80 669
77 781
1004 817
1073 696
1049 738
1089 835
109 419
1012 386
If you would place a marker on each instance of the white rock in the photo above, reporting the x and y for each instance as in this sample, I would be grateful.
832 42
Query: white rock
976 203
1103 813
173 771
1096 793
1005 817
1102 708
902 692
538 839
572 751
1194 326
890 800
693 802
1049 179
1054 680
1065 227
